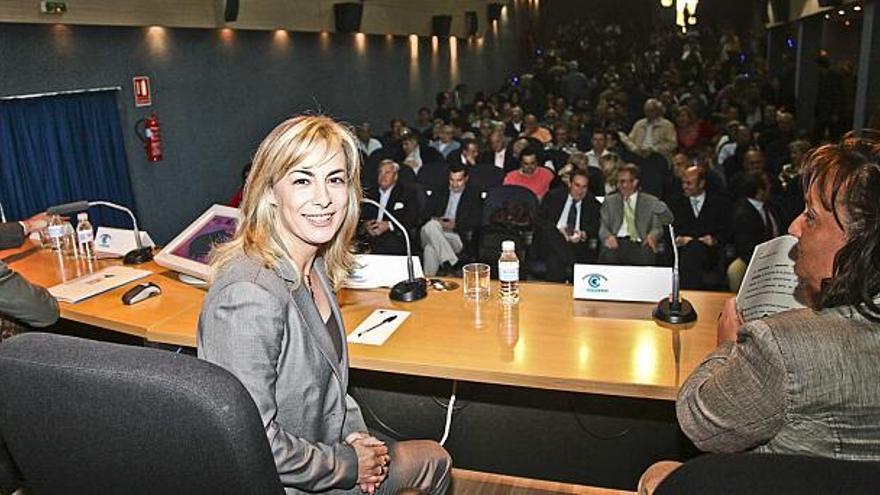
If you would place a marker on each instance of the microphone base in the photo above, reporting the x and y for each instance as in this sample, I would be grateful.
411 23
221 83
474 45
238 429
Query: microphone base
682 314
138 256
409 290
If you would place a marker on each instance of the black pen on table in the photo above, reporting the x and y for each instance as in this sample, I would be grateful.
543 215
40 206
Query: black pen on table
377 325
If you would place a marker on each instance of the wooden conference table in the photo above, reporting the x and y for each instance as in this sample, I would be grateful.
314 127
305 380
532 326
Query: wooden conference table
550 342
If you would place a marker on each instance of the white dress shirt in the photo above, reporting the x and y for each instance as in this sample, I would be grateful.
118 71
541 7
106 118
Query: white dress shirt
697 203
563 217
383 200
499 157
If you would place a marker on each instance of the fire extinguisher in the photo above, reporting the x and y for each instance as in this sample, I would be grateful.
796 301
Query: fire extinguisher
151 135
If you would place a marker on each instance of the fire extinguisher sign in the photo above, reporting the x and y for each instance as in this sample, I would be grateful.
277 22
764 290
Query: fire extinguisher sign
142 95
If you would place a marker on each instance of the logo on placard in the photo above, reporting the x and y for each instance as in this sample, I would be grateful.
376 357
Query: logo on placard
595 281
103 240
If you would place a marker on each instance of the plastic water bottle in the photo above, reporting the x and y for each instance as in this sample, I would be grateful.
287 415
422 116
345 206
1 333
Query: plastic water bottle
508 273
85 236
68 241
55 232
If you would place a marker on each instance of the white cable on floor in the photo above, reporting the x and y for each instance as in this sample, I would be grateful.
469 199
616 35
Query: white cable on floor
449 409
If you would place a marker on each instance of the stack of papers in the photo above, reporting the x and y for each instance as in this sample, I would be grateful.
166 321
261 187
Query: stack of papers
95 283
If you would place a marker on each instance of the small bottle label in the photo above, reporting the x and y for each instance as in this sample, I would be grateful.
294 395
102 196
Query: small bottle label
55 230
508 271
85 236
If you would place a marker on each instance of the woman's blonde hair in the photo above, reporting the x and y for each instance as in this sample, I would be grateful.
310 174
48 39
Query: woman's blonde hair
303 141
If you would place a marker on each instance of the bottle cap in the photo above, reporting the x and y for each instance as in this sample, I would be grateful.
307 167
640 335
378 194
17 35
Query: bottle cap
82 216
508 245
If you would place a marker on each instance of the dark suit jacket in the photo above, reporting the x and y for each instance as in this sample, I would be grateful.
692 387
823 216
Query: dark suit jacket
402 203
747 228
488 157
11 235
554 202
469 214
510 130
485 176
713 219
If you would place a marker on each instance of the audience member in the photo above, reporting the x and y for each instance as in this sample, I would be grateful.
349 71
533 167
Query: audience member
701 224
754 222
598 150
652 135
530 175
452 213
532 129
445 144
367 144
631 222
568 223
382 236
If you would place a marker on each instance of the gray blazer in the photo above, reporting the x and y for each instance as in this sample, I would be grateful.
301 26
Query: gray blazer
272 338
24 301
651 216
799 382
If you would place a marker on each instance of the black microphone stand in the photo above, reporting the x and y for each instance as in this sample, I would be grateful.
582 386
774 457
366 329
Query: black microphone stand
674 309
411 289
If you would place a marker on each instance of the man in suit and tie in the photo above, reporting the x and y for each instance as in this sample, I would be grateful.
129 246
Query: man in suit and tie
631 222
568 223
453 212
701 226
754 222
383 236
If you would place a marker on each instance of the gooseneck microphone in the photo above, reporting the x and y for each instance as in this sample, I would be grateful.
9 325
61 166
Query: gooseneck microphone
674 309
411 289
136 256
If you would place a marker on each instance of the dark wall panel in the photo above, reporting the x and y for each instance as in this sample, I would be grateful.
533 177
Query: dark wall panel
217 93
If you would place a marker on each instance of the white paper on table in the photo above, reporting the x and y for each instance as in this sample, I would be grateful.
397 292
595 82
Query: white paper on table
380 270
93 284
378 335
769 284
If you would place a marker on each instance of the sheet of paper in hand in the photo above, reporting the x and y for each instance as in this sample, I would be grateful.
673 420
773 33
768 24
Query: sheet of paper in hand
769 285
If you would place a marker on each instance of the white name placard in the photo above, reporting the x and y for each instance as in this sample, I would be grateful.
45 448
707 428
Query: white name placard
378 270
622 283
111 242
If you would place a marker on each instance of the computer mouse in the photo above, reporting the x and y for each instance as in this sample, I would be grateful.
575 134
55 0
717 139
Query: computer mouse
140 292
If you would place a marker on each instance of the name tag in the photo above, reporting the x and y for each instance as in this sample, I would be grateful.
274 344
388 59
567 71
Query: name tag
622 283
117 242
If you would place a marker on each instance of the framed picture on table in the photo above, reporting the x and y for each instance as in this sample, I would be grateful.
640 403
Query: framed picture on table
189 252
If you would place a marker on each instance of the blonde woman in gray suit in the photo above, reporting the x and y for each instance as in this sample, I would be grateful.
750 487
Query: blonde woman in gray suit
271 318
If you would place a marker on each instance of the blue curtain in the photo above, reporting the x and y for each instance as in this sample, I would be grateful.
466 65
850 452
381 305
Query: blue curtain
57 149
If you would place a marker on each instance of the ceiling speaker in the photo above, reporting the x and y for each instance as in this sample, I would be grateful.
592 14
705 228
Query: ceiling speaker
471 23
230 11
441 25
348 16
